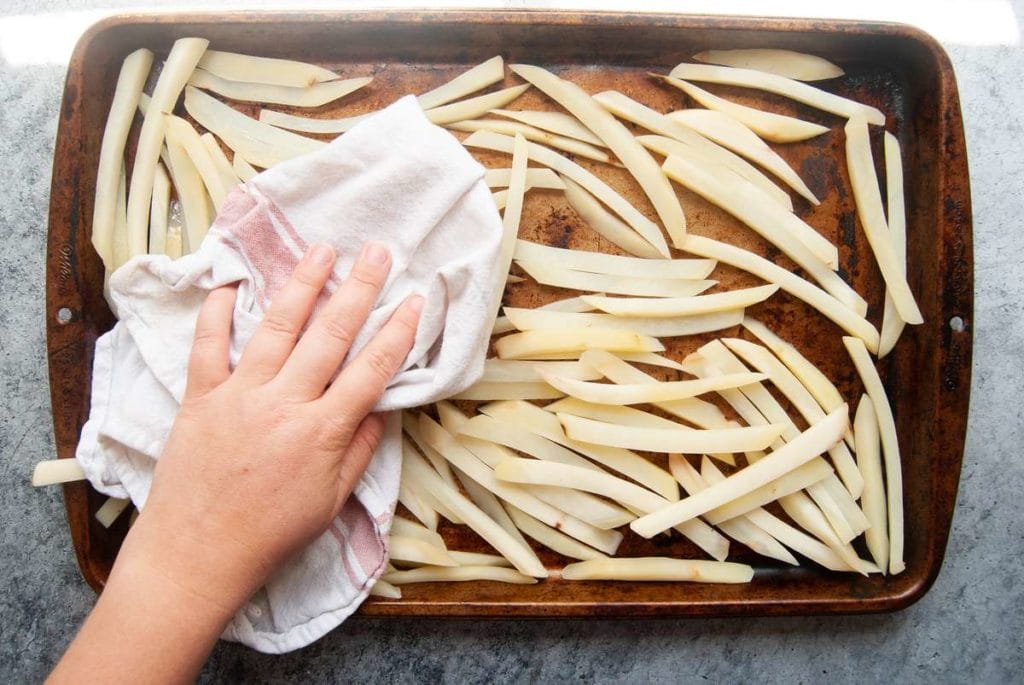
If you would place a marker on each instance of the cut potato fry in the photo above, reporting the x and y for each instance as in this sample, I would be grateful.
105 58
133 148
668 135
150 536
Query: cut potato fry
669 440
644 393
872 219
245 171
890 448
173 245
636 159
410 529
810 444
869 459
552 538
658 327
569 304
490 505
411 426
524 390
798 479
111 510
892 324
659 569
531 343
646 228
517 437
180 132
614 265
555 122
250 69
510 222
553 274
382 588
458 574
521 557
515 371
735 136
305 124
411 500
188 184
161 205
178 66
55 471
777 128
795 65
606 224
227 174
306 96
681 306
479 77
260 144
780 85
535 178
477 559
511 128
406 550
130 81
827 305
474 107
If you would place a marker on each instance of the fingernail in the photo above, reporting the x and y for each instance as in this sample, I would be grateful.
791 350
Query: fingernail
321 253
375 253
415 303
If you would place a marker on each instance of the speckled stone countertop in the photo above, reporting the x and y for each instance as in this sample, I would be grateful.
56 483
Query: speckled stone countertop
967 629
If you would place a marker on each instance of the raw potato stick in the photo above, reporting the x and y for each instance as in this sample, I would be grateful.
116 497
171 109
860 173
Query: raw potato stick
606 224
551 537
796 480
490 505
827 305
545 342
406 550
516 371
892 324
795 65
614 265
869 459
188 184
458 574
636 159
411 426
55 471
111 510
306 96
220 161
477 559
794 454
555 122
130 81
242 168
511 128
535 178
646 393
890 449
658 327
382 588
180 132
872 219
659 569
278 72
681 306
556 275
523 439
777 128
523 390
780 85
510 221
410 529
178 66
669 440
477 78
408 497
161 204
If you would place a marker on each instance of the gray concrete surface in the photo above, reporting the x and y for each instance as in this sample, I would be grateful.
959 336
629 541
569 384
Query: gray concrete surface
967 629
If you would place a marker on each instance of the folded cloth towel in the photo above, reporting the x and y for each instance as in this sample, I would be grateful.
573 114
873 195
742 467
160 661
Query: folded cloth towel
395 178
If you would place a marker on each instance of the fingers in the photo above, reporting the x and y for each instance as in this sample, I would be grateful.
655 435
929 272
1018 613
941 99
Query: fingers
360 450
326 342
362 382
208 363
277 334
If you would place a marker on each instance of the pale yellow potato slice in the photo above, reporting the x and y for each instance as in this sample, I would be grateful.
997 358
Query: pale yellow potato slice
120 252
552 538
411 426
636 159
646 393
892 324
130 81
260 144
178 66
626 462
535 178
658 327
188 184
797 239
523 439
306 96
458 574
549 272
649 358
180 132
800 478
777 128
568 304
511 128
242 168
173 244
606 224
869 459
890 448
795 65
733 135
111 510
530 343
490 505
56 471
719 163
410 529
614 265
409 496
681 306
609 413
556 122
158 211
437 489
477 78
510 222
406 550
646 228
515 371
872 219
224 169
780 85
682 440
271 71
659 569
522 390
827 305
382 588
478 559
809 445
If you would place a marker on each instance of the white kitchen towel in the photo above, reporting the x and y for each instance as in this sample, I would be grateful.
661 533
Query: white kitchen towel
395 178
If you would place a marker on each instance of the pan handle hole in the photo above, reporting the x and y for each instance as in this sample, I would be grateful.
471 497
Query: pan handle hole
65 316
957 324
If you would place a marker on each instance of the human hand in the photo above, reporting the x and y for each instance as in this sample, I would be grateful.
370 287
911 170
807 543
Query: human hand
260 460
